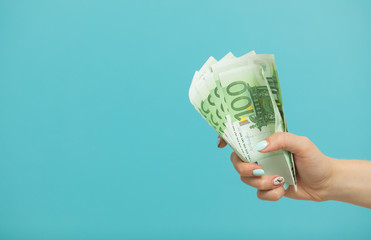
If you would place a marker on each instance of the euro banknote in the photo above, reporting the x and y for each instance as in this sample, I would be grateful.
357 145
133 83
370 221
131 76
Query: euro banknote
240 97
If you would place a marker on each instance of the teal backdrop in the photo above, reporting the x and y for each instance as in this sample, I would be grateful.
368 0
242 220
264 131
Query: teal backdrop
98 139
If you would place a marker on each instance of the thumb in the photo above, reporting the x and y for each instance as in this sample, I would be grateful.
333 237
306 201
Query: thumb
298 145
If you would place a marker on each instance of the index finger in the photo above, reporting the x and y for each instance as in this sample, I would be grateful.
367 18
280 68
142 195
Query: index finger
246 169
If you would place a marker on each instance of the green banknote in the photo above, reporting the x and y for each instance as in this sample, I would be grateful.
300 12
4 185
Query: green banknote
240 97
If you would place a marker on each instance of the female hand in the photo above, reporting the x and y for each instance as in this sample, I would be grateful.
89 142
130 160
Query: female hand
313 169
319 177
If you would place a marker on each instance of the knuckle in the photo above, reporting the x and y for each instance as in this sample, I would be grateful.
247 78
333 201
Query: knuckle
261 184
275 196
243 169
280 139
243 179
283 140
239 168
274 137
277 134
306 143
305 139
260 195
232 156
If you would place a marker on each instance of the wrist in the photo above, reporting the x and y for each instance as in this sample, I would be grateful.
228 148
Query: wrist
335 186
349 182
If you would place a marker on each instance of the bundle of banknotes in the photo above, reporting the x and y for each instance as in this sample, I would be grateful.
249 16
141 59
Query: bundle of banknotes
240 97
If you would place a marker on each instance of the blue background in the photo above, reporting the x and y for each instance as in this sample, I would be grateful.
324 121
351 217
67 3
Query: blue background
98 139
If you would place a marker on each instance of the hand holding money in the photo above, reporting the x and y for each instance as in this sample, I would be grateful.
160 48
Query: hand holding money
315 175
240 98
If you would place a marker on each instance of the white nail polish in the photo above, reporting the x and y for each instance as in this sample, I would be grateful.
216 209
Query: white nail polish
278 180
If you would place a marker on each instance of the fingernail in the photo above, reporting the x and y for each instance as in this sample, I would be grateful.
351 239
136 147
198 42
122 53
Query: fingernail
278 180
286 185
218 142
258 172
261 145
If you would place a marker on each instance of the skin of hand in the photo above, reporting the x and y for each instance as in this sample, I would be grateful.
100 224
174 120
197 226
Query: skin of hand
319 178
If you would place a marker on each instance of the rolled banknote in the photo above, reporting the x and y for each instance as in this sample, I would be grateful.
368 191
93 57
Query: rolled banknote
240 97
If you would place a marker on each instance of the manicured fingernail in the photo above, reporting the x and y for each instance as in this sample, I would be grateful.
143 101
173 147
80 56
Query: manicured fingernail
278 180
218 142
261 145
258 172
286 185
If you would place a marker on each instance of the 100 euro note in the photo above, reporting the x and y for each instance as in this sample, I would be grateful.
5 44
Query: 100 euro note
205 98
241 99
